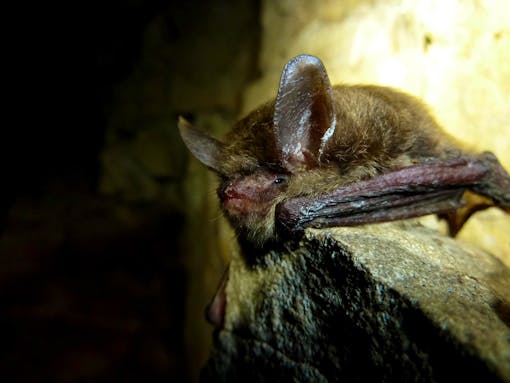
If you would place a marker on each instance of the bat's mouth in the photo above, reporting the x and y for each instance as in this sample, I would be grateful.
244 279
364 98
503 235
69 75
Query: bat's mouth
243 206
235 202
215 311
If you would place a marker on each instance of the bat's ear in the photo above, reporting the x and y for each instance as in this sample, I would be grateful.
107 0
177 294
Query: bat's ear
205 148
304 118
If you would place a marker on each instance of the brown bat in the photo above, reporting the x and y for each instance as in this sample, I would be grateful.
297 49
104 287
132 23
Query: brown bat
320 156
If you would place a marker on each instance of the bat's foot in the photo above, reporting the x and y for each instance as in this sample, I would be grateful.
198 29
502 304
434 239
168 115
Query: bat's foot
457 218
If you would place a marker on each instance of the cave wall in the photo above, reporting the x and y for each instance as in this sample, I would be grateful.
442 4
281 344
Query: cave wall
108 238
196 58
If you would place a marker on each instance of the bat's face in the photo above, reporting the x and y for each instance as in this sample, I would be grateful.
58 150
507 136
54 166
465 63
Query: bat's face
249 202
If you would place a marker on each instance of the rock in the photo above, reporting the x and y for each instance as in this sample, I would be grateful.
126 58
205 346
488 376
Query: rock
124 175
388 303
157 152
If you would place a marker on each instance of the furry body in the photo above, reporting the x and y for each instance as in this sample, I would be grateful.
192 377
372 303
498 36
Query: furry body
313 140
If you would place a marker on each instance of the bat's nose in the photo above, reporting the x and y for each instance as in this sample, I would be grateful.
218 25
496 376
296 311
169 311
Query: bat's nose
237 190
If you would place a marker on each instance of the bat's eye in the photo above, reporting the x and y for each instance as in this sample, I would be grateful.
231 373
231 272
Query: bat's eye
280 180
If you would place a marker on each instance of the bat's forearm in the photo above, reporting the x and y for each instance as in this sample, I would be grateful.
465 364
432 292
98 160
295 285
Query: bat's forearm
293 218
430 188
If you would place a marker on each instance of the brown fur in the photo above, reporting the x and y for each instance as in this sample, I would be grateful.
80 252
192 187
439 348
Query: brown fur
314 139
378 129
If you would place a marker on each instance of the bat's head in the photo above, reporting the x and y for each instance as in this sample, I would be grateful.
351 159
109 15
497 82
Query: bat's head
249 190
249 202
263 157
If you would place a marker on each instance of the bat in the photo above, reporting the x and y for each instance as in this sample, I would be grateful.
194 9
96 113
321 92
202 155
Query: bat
320 155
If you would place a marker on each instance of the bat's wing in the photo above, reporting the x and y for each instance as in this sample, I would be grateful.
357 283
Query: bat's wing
429 188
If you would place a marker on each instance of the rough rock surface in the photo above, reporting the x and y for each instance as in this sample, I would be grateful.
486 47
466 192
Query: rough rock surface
387 303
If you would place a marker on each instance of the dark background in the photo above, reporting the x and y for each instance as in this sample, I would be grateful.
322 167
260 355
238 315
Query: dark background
94 280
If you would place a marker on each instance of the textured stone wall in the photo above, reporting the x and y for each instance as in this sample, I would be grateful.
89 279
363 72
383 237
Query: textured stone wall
454 54
393 302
